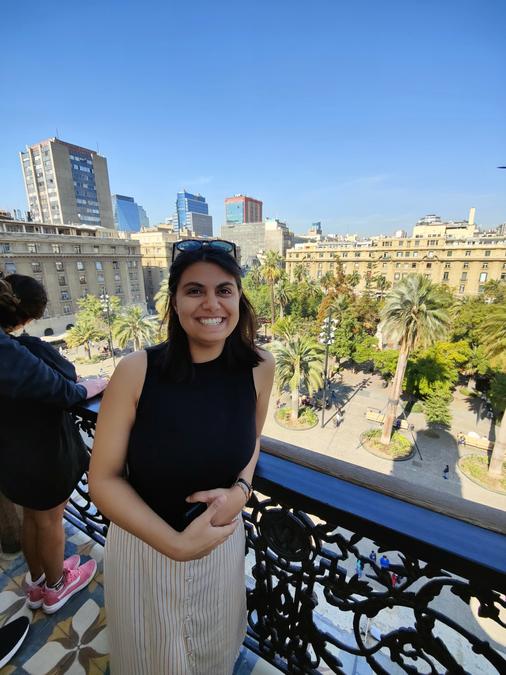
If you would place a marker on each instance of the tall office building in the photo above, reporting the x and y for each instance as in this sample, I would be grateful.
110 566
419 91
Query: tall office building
128 215
66 183
192 212
242 209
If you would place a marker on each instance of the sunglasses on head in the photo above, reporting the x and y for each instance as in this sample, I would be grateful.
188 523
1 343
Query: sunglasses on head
189 245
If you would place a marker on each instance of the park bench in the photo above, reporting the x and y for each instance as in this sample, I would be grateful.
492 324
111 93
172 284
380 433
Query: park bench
481 443
375 415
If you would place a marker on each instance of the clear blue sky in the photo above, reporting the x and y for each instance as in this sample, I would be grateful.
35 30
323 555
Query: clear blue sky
363 114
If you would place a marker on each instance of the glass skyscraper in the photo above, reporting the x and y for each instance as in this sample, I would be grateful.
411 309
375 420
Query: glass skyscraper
128 215
192 212
242 209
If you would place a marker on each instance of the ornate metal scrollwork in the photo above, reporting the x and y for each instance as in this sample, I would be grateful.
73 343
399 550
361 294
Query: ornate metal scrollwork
303 568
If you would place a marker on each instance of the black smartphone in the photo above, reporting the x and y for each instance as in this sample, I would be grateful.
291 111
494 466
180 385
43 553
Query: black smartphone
193 512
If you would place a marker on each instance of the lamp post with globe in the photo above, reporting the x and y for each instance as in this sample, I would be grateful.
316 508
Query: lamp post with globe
106 308
327 335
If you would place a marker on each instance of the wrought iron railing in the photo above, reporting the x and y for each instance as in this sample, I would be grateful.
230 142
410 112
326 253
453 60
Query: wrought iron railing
317 600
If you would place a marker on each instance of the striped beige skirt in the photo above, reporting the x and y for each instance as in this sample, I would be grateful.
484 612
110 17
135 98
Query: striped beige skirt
173 618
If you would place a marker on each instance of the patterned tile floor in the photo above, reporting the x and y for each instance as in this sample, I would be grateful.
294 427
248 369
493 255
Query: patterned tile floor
74 640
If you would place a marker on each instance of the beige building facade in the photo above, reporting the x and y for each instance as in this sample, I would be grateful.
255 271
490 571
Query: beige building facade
258 238
71 262
464 264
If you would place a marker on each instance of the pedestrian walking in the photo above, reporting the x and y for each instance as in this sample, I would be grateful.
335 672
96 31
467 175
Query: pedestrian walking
372 556
359 567
446 471
395 579
384 562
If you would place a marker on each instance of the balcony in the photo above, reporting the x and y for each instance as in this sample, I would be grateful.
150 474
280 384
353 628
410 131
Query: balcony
317 602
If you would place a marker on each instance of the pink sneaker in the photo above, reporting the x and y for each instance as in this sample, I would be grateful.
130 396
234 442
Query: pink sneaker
34 592
73 582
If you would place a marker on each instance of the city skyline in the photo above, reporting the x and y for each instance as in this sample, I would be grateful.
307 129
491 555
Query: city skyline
365 119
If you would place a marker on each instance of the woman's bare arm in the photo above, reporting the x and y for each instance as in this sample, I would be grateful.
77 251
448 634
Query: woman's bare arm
115 497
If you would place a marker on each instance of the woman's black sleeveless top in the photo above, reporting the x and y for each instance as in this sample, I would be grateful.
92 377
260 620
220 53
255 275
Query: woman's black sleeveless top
190 436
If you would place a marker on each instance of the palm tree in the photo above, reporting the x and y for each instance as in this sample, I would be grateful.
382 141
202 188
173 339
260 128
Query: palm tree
353 279
494 341
300 273
271 272
328 281
381 284
85 331
133 325
299 362
281 293
162 299
415 314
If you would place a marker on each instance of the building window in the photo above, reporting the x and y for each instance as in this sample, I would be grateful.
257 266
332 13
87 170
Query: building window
463 276
98 265
62 280
80 265
5 248
484 266
36 268
77 248
398 254
413 265
95 249
59 265
65 295
449 253
446 276
465 266
468 253
31 248
503 276
481 289
119 290
10 268
100 278
487 254
82 279
483 277
447 266
357 254
67 308
462 289
115 265
56 248
428 265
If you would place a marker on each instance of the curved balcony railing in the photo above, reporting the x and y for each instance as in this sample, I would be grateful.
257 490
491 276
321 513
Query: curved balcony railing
317 602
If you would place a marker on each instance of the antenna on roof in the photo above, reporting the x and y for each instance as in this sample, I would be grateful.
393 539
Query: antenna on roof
98 152
57 134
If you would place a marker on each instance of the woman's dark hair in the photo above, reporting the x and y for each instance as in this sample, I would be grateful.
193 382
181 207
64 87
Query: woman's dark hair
239 349
22 298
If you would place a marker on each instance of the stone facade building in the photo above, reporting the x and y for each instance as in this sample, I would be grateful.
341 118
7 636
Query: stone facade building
464 264
71 261
258 238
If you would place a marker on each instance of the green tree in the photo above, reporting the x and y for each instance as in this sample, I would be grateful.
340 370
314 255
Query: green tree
413 314
300 273
271 272
353 279
495 291
282 293
436 368
494 342
299 363
162 299
85 331
437 407
91 307
258 295
133 326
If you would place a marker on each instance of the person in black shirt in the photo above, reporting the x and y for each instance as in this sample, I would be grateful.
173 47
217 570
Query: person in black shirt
42 455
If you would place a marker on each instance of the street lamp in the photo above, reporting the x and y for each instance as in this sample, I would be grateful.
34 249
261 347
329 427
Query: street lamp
106 308
327 335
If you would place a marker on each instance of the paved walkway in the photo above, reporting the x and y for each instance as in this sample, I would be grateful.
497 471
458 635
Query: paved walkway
358 391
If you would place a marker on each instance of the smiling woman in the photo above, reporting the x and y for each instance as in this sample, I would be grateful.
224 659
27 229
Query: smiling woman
182 421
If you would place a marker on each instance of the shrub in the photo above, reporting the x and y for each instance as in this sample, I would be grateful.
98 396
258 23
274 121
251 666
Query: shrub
417 407
437 408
